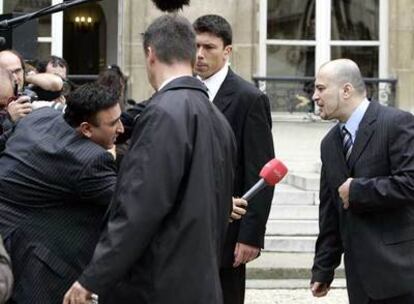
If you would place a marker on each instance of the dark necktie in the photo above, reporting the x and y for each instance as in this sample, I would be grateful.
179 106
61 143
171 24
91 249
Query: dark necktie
346 143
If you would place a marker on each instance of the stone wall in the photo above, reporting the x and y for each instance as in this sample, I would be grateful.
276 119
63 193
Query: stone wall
137 15
401 50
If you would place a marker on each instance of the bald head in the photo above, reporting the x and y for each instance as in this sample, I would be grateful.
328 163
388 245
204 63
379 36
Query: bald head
13 62
345 71
6 87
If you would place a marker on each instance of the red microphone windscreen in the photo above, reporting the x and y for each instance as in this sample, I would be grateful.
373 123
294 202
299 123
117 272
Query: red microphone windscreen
273 172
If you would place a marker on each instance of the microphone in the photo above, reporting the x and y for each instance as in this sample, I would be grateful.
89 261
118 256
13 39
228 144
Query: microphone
170 5
272 173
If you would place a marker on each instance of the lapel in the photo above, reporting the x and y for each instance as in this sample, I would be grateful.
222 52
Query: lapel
224 96
365 131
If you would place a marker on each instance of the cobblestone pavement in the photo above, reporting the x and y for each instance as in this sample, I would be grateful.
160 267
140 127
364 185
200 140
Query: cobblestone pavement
293 296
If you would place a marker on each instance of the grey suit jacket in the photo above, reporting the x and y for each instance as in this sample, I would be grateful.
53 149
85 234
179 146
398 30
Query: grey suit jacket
377 232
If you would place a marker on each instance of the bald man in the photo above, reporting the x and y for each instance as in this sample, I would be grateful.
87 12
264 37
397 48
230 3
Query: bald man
13 62
11 107
367 192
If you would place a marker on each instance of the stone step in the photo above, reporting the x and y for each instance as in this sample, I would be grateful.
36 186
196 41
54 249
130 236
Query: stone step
338 283
289 195
294 212
284 266
290 243
304 180
292 227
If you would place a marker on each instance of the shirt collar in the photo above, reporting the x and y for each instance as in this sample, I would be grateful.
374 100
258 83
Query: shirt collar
355 119
213 83
167 82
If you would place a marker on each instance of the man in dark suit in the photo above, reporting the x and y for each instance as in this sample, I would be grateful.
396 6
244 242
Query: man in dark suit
248 111
367 191
170 211
56 180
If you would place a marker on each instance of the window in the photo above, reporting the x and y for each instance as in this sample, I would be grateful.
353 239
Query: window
49 27
297 36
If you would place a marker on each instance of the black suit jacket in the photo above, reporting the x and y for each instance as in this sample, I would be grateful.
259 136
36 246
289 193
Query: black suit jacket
377 232
170 211
247 110
54 189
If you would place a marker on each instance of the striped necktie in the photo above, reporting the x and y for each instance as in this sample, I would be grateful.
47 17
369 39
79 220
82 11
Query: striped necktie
346 143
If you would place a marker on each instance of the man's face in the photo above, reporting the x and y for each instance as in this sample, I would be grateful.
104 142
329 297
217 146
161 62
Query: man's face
6 92
327 96
108 127
212 55
57 70
11 62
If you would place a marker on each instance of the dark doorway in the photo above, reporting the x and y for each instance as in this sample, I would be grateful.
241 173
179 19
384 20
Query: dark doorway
84 39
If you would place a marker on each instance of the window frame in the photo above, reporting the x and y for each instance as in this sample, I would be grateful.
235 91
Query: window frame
323 42
56 38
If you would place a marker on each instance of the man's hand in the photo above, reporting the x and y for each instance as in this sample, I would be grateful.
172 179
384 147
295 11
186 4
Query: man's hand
77 295
343 191
19 108
239 209
319 289
244 253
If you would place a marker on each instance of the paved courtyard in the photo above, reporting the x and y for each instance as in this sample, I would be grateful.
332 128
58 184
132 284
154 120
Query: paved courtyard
293 296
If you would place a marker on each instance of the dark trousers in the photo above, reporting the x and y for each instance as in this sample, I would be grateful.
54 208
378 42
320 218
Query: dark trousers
233 283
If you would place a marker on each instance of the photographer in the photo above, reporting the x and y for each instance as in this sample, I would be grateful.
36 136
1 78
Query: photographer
11 109
46 86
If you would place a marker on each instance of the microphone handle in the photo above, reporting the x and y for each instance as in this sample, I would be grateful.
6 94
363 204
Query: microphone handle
254 190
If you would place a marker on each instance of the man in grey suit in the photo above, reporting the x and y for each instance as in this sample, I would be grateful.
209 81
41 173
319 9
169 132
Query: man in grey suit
56 181
367 192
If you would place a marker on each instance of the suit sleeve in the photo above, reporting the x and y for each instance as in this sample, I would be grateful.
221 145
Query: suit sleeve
397 189
147 187
257 150
96 183
328 249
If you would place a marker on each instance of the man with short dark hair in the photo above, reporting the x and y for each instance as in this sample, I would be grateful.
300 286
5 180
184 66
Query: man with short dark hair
54 65
56 181
247 110
170 211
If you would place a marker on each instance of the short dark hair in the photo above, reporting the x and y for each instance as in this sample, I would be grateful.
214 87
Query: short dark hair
113 79
83 104
55 61
216 25
172 39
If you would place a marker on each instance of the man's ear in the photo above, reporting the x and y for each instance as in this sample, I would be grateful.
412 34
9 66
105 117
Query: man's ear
228 49
85 129
347 90
151 54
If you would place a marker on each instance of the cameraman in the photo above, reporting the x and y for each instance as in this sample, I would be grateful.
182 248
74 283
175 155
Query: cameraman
11 109
47 86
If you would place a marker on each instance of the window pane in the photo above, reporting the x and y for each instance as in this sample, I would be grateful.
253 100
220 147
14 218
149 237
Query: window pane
290 60
44 50
26 6
291 19
355 20
365 57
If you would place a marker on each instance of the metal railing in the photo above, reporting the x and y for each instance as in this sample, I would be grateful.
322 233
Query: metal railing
294 94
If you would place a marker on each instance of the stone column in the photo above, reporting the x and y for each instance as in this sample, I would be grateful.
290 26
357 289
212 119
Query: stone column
401 50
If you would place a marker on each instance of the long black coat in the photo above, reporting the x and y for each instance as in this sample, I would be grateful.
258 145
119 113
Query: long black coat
247 110
171 206
54 190
377 232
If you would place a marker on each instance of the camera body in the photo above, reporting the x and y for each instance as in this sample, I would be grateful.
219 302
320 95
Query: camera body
31 94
